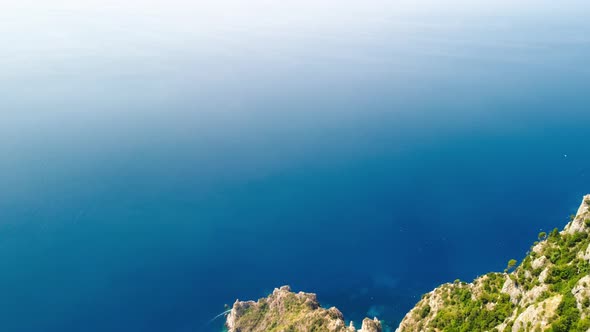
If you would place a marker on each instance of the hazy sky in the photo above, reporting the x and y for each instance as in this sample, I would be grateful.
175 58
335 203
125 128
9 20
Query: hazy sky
35 34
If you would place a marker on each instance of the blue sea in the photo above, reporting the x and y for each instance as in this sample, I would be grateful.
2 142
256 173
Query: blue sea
159 160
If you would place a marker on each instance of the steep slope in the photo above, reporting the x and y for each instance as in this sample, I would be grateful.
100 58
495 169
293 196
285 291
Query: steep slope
548 291
285 311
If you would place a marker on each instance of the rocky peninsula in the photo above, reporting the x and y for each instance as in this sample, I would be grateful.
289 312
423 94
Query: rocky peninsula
286 311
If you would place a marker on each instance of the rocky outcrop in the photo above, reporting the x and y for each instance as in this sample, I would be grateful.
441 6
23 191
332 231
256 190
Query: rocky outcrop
578 224
549 290
582 293
537 315
370 325
285 311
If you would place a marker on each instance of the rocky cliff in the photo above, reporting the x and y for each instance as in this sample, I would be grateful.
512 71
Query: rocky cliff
548 291
285 311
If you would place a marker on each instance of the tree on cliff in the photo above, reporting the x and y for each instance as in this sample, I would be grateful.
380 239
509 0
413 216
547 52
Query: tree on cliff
511 265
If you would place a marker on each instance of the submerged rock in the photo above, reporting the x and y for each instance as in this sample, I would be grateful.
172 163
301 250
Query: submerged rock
285 311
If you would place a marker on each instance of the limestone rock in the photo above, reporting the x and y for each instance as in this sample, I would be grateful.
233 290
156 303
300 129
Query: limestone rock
284 310
582 292
539 262
578 224
538 314
585 255
543 275
511 289
371 325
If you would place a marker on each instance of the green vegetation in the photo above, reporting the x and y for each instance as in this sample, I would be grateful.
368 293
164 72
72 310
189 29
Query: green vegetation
255 314
482 306
541 285
561 250
511 265
285 311
569 317
464 313
424 311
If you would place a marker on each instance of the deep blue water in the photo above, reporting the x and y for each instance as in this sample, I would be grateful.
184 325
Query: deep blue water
159 162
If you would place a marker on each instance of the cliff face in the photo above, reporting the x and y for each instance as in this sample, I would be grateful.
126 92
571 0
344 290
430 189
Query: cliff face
548 291
285 311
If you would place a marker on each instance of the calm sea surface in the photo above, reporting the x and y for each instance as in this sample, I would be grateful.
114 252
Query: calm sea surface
158 161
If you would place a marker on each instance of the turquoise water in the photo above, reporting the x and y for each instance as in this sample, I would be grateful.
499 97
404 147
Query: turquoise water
158 162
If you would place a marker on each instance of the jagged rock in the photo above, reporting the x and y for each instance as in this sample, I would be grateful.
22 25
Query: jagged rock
582 292
532 295
511 289
285 311
371 325
586 254
538 248
539 262
578 224
538 314
543 275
